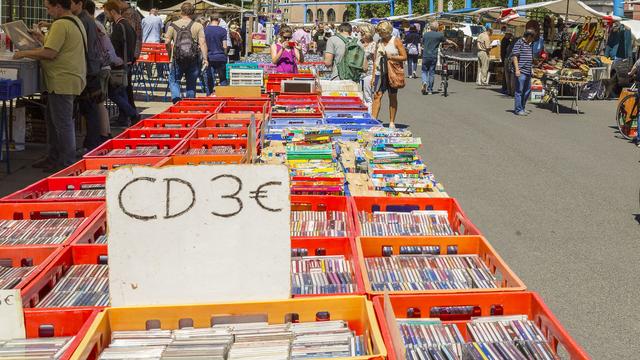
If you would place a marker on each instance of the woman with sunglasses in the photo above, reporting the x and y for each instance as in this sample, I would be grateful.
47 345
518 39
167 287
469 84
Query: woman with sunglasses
286 54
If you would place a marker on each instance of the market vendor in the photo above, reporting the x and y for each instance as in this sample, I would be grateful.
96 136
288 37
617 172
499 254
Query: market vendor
484 47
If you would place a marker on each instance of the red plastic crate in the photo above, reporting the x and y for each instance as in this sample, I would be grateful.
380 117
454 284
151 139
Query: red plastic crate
511 303
179 116
34 192
333 246
94 229
457 218
261 112
274 81
42 284
42 323
163 57
18 256
155 133
104 164
220 133
168 123
167 146
147 56
194 143
87 210
234 121
186 109
324 203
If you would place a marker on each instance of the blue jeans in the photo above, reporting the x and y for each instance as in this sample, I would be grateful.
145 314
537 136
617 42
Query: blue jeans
428 72
218 68
89 109
523 90
412 64
190 73
119 96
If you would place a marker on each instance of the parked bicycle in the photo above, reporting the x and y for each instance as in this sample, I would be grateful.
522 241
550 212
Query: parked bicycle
627 112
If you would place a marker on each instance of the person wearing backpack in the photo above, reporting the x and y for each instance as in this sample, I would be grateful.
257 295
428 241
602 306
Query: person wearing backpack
186 43
345 55
388 70
64 71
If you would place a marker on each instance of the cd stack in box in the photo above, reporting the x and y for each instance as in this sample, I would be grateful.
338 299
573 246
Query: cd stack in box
430 339
37 348
322 275
139 151
414 223
318 223
310 135
82 285
102 239
313 169
428 272
216 150
74 194
37 232
326 339
11 276
506 337
95 172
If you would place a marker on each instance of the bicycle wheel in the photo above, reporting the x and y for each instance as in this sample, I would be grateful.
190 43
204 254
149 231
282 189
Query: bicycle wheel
626 115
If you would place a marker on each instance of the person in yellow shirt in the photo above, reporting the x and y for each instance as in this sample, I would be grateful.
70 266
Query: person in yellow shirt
63 63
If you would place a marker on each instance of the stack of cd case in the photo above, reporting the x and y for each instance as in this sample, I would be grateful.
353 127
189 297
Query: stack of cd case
35 348
37 231
428 272
491 337
327 339
322 275
81 285
319 223
414 223
12 276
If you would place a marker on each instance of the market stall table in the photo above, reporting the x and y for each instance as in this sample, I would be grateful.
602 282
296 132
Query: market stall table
464 61
554 88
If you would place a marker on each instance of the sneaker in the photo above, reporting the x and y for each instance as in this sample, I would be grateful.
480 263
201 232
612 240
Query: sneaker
415 76
528 111
521 113
42 163
430 93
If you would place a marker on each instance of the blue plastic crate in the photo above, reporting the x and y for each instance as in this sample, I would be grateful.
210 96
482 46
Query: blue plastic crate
10 89
241 65
350 118
281 123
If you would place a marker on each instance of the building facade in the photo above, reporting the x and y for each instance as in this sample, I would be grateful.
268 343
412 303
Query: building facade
315 13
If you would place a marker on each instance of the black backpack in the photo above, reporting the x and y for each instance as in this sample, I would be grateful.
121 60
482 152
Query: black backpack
185 48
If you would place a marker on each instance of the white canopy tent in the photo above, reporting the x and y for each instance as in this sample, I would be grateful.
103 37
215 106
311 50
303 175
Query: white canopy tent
634 27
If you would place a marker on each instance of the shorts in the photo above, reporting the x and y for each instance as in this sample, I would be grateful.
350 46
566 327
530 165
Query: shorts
383 86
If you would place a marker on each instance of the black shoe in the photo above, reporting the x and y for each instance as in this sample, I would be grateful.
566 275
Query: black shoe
424 89
134 119
175 100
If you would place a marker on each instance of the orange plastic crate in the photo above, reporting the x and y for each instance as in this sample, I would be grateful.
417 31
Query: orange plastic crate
104 164
372 247
18 256
87 210
511 303
333 246
46 323
457 218
47 279
323 203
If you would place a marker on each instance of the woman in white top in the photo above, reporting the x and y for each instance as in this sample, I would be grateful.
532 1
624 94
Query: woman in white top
366 39
388 48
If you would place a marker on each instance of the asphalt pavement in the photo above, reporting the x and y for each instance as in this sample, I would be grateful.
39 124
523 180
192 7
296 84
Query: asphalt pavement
556 194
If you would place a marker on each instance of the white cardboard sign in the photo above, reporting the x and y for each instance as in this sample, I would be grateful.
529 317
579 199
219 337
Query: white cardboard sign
7 73
11 315
197 234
